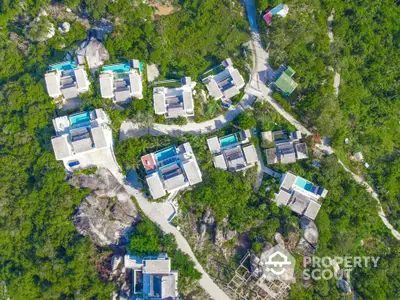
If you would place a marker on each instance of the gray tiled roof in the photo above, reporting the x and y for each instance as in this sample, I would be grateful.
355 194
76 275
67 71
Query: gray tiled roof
70 91
214 90
61 147
174 182
159 103
219 162
250 154
81 80
237 78
106 85
155 186
175 112
82 145
188 100
271 156
282 198
288 180
98 137
301 150
135 82
52 84
299 202
213 144
312 210
192 171
122 94
156 266
231 92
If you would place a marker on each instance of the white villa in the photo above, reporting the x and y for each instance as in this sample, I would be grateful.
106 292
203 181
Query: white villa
174 102
152 277
171 169
83 139
233 152
65 81
300 195
122 82
226 83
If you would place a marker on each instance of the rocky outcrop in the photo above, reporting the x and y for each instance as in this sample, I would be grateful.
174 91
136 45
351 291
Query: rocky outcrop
279 239
93 52
309 231
107 213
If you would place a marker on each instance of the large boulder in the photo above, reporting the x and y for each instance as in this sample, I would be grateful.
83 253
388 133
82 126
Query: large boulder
93 52
305 248
279 239
309 230
107 213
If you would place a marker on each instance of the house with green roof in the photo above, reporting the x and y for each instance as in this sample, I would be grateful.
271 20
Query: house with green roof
283 81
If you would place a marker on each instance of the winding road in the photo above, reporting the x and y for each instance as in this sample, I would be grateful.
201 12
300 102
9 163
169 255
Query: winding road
256 88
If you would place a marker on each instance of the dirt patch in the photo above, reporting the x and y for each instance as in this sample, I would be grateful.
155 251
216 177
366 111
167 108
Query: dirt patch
162 8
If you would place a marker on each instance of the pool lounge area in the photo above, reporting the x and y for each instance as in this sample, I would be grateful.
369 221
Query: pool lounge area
165 153
304 184
118 68
63 66
228 140
80 118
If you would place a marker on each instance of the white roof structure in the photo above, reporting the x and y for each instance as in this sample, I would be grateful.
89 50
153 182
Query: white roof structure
67 81
171 169
158 280
121 82
225 84
83 139
233 152
300 195
174 102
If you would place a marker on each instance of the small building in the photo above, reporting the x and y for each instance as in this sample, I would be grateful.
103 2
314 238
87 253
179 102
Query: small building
65 81
122 82
152 277
171 169
283 81
223 81
281 10
288 148
83 139
174 102
300 195
233 152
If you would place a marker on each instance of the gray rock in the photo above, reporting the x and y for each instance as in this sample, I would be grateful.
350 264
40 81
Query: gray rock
107 214
116 263
219 236
208 218
92 51
344 286
309 230
279 239
305 248
229 234
202 230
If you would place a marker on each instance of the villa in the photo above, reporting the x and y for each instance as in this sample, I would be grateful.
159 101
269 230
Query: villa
224 81
233 152
174 102
281 10
300 195
83 139
171 169
152 277
287 148
121 82
65 81
283 81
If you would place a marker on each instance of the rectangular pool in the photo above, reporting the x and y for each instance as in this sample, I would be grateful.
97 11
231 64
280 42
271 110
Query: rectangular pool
304 184
63 66
80 118
165 153
228 140
118 68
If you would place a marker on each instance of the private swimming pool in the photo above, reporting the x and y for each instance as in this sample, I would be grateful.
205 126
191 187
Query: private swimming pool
165 153
228 140
304 184
63 66
80 118
118 68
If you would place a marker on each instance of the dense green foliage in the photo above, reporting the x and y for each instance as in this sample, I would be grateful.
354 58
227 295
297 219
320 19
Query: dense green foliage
41 254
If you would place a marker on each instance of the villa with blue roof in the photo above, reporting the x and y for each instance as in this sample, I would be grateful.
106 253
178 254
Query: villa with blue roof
122 82
233 152
152 277
65 81
83 140
300 195
171 169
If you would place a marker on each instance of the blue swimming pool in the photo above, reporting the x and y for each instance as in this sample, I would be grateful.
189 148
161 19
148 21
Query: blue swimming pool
80 118
118 68
304 184
228 140
63 66
165 153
